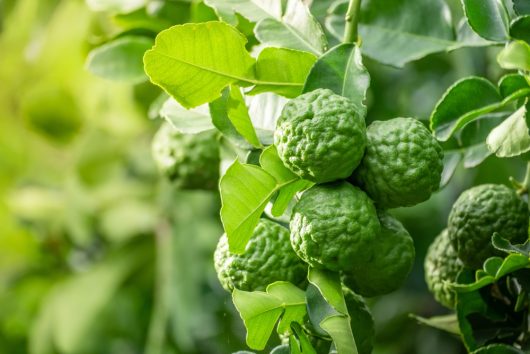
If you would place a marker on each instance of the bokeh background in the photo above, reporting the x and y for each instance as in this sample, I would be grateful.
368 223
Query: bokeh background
100 255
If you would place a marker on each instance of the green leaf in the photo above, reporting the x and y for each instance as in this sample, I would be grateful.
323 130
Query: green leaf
254 10
511 83
181 61
264 110
186 121
327 309
515 55
297 29
286 194
120 59
282 71
521 7
451 161
447 323
488 18
245 191
121 6
238 114
520 28
261 311
299 342
218 112
511 137
504 245
341 70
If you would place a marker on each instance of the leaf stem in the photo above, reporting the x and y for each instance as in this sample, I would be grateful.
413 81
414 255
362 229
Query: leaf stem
352 19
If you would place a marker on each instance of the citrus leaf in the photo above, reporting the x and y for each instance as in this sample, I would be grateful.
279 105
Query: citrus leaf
282 71
254 10
341 70
511 83
520 28
451 161
521 7
261 311
488 18
238 114
515 55
186 121
511 137
299 342
120 59
286 194
448 323
504 245
181 61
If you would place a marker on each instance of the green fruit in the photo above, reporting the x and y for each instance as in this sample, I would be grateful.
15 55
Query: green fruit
320 136
191 161
481 211
267 258
333 225
441 267
390 265
402 165
362 322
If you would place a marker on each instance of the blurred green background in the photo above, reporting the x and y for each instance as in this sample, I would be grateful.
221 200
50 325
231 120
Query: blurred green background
100 255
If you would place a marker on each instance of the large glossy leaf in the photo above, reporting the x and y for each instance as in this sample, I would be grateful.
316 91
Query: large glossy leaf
394 33
511 137
504 245
342 71
282 302
120 59
515 55
488 18
181 61
187 121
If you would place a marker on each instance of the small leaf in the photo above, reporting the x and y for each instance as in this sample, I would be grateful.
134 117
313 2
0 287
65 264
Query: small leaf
261 311
253 10
282 71
271 162
511 137
238 114
218 112
515 55
181 61
520 28
448 323
120 59
504 245
286 194
488 18
451 161
511 83
186 121
264 110
341 70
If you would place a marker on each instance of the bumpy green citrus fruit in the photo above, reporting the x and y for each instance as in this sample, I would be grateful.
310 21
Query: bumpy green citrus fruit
268 257
361 320
191 161
402 165
390 264
320 136
442 265
481 211
333 225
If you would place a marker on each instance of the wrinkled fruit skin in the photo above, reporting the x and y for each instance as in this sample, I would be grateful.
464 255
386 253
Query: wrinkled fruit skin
362 322
333 225
478 213
268 258
390 265
402 165
320 136
442 265
191 161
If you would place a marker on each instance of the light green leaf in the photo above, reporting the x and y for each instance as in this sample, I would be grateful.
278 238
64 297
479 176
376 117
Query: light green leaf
187 121
245 191
448 323
488 18
254 10
286 194
270 161
181 61
341 70
261 311
515 55
120 59
238 114
511 137
286 66
511 83
121 6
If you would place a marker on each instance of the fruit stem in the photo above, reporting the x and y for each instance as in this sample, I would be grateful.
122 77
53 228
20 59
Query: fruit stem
352 18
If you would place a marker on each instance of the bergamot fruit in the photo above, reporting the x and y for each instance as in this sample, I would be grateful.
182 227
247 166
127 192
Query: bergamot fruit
191 161
481 211
390 264
333 225
442 267
320 136
268 257
402 165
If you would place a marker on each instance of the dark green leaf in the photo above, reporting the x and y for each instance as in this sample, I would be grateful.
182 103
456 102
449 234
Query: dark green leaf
488 18
341 70
504 245
511 83
218 112
521 7
520 28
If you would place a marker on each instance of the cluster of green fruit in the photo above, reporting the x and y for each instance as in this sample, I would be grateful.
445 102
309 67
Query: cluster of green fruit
341 223
476 215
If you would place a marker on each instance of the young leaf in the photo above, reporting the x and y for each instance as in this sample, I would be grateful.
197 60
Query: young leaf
488 18
515 55
245 191
448 323
261 311
341 70
238 114
511 137
520 28
451 161
282 71
286 194
186 121
120 59
195 61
